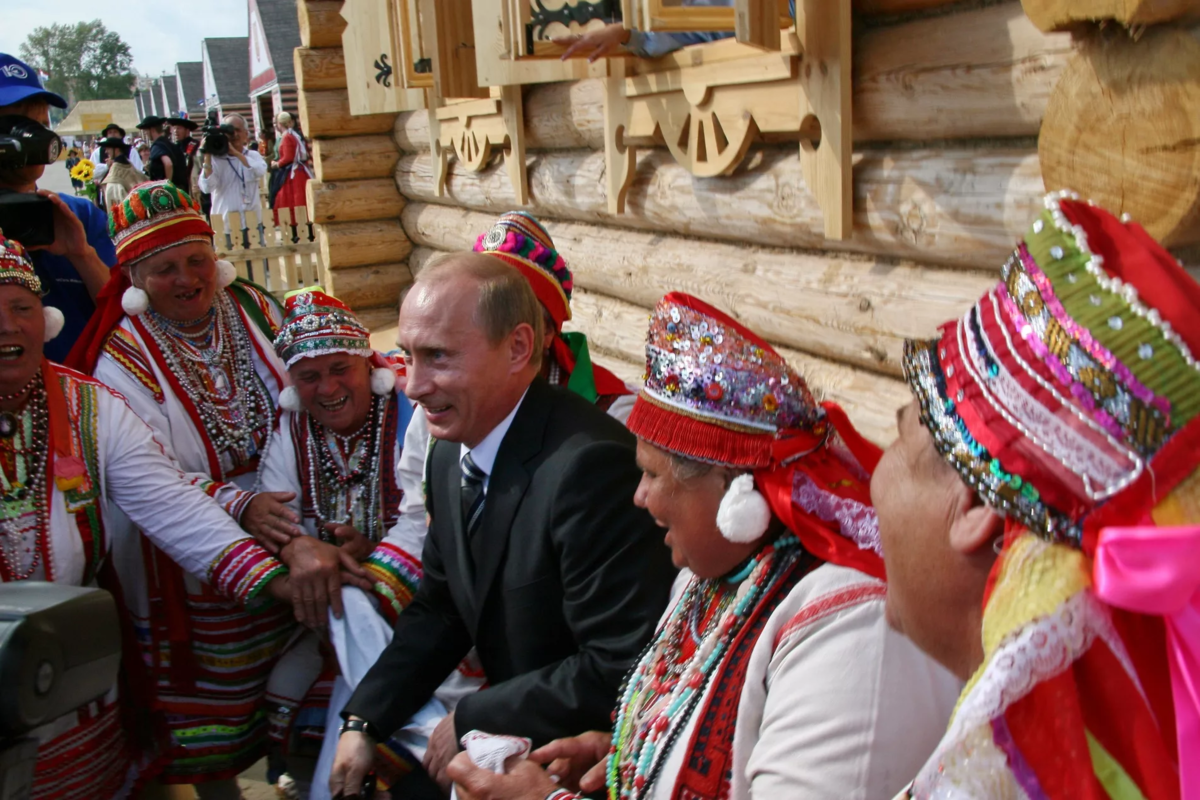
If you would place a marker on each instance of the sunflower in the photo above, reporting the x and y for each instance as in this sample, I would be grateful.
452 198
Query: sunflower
83 170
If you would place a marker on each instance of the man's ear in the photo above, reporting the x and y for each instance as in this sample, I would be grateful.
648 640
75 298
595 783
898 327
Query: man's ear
975 525
521 346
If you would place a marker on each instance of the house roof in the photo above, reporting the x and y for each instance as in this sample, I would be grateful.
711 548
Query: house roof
281 26
229 58
171 104
191 76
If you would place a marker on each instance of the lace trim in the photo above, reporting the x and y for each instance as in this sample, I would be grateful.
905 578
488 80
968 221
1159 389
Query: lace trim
857 522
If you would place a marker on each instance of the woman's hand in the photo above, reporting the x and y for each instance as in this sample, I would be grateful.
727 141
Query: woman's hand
574 760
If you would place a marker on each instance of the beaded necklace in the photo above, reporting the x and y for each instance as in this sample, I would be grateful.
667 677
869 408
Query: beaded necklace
24 505
215 369
664 688
350 482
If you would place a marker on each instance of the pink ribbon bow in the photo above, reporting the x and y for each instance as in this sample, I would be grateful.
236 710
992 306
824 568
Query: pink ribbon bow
1151 570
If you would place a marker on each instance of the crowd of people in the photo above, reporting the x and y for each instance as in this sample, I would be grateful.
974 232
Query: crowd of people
487 565
222 179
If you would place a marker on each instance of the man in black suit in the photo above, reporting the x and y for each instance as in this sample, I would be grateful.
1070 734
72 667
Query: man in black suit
535 555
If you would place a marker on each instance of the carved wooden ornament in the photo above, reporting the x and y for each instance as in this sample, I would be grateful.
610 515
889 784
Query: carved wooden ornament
710 102
373 63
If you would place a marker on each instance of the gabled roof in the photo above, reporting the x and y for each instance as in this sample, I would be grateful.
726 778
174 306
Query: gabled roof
191 78
229 59
281 26
171 96
144 101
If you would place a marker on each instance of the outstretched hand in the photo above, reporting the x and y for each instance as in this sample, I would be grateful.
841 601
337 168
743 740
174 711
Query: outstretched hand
594 44
577 761
524 780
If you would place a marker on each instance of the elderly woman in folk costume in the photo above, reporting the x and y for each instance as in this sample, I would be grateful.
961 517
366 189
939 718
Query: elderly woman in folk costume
337 451
190 349
1053 558
774 673
72 454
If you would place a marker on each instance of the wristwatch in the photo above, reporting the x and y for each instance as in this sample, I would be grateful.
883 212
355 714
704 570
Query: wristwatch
361 726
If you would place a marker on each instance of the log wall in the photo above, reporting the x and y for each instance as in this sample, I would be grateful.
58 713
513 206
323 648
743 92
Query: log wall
948 100
353 199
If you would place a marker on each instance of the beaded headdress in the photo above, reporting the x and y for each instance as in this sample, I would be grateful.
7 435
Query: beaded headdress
716 392
520 241
16 268
316 324
153 217
1054 393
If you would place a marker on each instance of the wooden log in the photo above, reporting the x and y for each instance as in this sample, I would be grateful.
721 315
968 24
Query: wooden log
1055 15
376 286
962 207
352 201
354 157
359 244
326 114
981 73
319 68
1124 128
845 308
321 22
616 328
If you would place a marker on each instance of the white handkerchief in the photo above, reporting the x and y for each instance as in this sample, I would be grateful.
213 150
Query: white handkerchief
490 750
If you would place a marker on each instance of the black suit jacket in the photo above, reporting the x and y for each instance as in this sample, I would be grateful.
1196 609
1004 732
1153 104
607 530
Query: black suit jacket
559 591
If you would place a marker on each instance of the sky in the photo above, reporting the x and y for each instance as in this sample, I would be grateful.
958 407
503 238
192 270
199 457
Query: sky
158 33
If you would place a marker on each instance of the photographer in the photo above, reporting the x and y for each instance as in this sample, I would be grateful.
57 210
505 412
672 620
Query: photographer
231 173
75 266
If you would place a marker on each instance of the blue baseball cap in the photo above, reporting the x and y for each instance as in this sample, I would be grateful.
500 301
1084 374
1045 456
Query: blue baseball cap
19 81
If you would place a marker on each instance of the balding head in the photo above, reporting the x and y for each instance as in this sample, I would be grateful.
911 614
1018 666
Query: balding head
470 328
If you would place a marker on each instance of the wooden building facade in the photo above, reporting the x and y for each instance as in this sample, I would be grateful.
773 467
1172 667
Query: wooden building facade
838 187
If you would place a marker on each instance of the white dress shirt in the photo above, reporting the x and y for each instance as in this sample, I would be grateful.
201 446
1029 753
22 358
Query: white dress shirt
233 185
484 453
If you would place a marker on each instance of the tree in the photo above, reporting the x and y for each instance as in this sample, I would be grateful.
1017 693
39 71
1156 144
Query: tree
85 61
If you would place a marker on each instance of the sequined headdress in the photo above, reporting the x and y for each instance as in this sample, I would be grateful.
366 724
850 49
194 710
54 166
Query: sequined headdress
520 241
316 324
1055 392
1068 398
153 217
718 393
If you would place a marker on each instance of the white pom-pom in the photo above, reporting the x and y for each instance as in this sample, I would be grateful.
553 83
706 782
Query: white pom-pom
289 399
54 321
135 301
743 515
226 272
383 380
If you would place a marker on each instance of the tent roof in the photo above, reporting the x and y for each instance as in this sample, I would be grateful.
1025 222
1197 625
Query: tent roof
122 112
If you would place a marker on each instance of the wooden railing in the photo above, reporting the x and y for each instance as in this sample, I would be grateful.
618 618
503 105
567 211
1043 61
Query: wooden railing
280 257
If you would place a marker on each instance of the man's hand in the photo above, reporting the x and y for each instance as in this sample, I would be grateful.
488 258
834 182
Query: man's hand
353 542
270 521
239 155
315 569
595 44
574 760
443 746
354 760
524 780
70 237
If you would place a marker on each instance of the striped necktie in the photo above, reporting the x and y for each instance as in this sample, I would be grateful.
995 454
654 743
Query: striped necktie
472 495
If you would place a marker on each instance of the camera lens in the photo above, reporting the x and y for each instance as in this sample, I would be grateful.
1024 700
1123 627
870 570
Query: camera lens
54 149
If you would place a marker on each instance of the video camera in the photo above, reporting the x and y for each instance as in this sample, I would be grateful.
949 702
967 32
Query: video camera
24 142
216 136
60 648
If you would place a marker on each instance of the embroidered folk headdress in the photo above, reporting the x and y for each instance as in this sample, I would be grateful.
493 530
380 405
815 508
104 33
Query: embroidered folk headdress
16 269
716 392
1067 397
520 241
317 324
